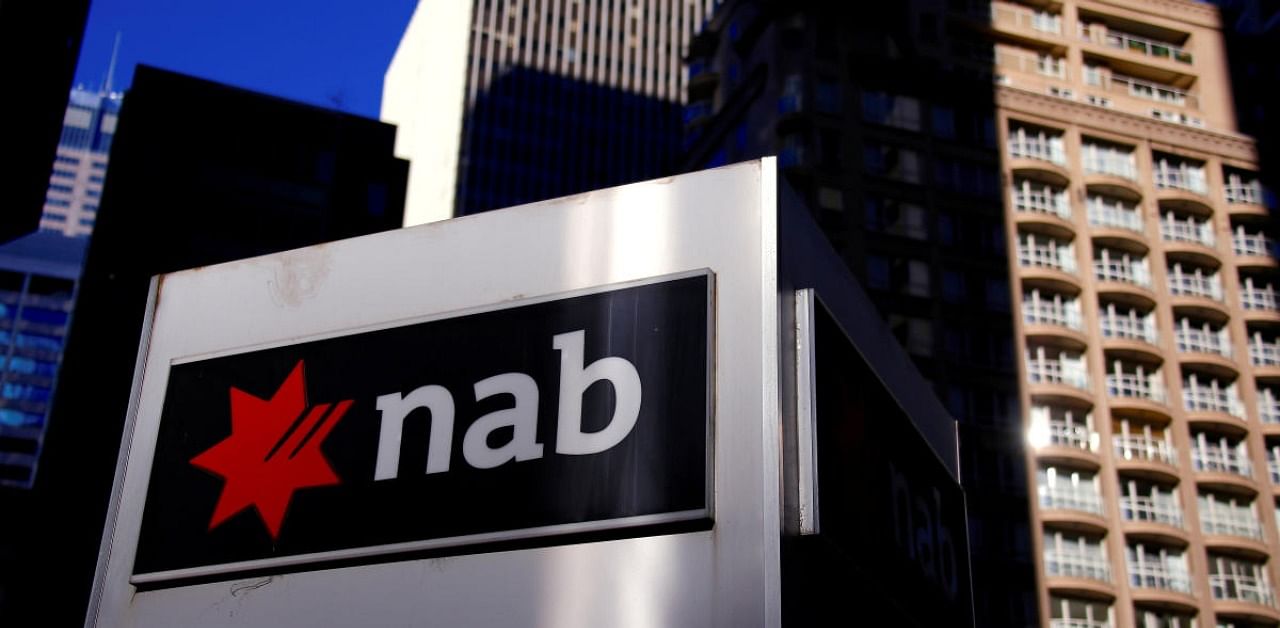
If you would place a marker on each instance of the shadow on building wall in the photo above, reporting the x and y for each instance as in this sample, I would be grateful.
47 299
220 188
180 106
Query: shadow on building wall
883 117
534 135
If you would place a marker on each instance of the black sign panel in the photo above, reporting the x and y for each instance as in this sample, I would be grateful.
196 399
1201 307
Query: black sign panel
579 414
893 543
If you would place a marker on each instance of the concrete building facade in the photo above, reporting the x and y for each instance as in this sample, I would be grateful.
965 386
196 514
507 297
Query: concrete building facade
514 101
1148 318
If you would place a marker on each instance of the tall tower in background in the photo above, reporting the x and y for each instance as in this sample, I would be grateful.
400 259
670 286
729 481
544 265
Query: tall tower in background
514 101
1117 374
80 167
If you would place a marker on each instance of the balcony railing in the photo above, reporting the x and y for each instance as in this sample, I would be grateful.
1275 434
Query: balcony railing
1174 230
1014 17
1131 327
1204 398
1053 371
1079 623
1122 270
1028 63
1102 214
1134 386
1041 148
1250 192
1039 254
1230 523
1076 565
1071 435
1133 43
1199 340
1045 312
1268 406
1138 447
1273 468
1241 588
1195 284
1153 575
1104 160
1146 90
1153 510
1215 459
1180 178
1060 498
1258 299
1263 353
1252 245
1042 199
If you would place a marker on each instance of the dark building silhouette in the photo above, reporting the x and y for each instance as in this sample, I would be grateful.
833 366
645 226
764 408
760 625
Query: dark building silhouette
201 173
39 46
893 146
1251 30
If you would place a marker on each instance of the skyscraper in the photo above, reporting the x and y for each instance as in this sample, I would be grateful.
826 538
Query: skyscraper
260 175
80 167
1144 388
502 103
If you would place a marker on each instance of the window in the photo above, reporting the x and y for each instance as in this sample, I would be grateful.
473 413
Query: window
827 96
953 288
58 187
943 122
877 272
891 161
893 110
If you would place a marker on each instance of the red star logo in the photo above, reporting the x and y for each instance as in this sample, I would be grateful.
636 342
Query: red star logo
273 450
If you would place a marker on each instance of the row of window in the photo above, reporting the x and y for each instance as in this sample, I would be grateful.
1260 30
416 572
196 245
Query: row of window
1097 156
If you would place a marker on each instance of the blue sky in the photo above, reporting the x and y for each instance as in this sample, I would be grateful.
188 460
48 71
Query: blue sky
331 53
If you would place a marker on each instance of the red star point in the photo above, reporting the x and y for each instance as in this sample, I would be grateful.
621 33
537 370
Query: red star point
273 450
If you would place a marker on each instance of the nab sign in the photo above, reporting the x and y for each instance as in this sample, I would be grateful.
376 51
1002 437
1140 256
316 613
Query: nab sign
582 413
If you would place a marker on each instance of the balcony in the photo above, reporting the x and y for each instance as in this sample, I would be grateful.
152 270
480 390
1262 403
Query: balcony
1058 622
1133 87
1212 457
1155 575
1258 299
1252 244
1109 160
1127 325
1243 190
1202 339
1238 587
1147 509
1135 386
1194 284
1188 230
1268 406
1037 310
1113 214
1062 369
1077 564
1211 397
1041 147
1110 266
1046 252
1065 498
1031 63
1101 35
1230 522
1175 175
1040 198
1073 436
1144 448
1263 353
1013 17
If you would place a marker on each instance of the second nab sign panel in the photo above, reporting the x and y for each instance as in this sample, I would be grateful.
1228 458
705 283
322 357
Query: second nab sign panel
575 414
